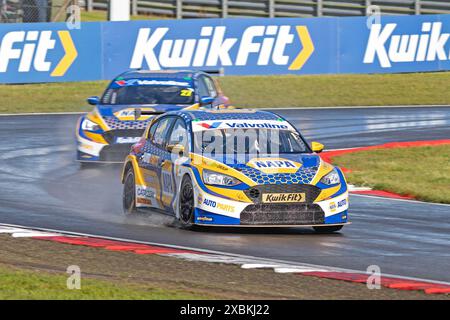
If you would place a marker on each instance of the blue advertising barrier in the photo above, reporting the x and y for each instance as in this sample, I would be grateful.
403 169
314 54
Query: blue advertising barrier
50 52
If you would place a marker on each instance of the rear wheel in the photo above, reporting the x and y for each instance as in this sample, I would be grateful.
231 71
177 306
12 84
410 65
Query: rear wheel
129 194
327 229
186 203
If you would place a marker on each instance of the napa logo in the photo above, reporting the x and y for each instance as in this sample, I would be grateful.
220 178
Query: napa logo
129 114
274 165
388 47
31 48
213 47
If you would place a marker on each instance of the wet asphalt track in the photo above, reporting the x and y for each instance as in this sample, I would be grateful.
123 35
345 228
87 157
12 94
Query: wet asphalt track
42 186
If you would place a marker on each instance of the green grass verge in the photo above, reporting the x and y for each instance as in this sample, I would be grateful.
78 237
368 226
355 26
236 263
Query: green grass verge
256 92
423 172
19 284
338 90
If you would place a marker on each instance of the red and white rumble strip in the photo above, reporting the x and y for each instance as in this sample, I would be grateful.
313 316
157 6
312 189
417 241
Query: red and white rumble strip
246 262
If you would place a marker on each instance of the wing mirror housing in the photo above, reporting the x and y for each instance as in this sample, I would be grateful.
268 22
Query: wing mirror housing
317 147
176 149
206 100
94 100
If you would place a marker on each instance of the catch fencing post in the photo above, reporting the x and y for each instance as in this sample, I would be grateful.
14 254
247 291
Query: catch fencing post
224 8
368 4
89 5
319 8
417 7
134 7
179 9
271 8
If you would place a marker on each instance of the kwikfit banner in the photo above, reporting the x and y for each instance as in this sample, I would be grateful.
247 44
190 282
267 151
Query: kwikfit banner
46 52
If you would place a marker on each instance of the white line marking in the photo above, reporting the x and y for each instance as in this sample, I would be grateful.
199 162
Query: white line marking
241 256
352 187
41 114
10 230
356 107
279 268
396 199
300 270
30 234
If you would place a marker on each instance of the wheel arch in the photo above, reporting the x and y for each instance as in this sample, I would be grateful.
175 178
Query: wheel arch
131 163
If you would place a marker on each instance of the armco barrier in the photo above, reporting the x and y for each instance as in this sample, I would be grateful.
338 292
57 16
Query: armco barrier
44 52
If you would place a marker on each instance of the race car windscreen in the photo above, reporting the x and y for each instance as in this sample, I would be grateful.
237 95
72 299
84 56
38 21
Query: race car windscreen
249 141
151 94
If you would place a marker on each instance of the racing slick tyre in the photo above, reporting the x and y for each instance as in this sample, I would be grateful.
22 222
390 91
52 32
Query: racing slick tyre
186 203
129 194
329 229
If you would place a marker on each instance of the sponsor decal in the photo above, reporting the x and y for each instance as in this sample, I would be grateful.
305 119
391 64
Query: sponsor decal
129 114
127 139
283 197
167 184
199 199
150 159
342 203
204 218
143 192
31 50
241 124
333 206
145 82
274 165
213 125
158 48
390 47
144 201
218 205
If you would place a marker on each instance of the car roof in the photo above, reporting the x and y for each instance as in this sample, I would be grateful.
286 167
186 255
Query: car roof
227 114
145 74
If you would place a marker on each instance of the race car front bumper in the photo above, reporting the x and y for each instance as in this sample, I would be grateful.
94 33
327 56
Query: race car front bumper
217 211
115 149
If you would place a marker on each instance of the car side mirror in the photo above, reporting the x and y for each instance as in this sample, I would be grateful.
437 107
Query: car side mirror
317 147
176 149
206 100
94 100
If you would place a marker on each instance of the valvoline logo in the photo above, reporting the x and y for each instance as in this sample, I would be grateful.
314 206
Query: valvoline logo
243 124
213 125
260 45
30 50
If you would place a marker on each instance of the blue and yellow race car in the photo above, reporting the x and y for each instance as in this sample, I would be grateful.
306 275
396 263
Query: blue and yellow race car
233 167
130 101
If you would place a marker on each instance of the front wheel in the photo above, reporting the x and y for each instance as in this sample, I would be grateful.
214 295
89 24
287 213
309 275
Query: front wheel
129 194
186 203
327 229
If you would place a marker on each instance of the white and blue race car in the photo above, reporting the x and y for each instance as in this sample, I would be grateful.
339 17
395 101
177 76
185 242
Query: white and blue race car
130 101
233 168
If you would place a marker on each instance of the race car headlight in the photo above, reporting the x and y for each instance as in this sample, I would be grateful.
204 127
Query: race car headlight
331 178
215 178
89 125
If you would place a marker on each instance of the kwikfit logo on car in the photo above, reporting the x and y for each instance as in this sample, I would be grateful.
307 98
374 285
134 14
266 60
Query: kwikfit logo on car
389 47
259 45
